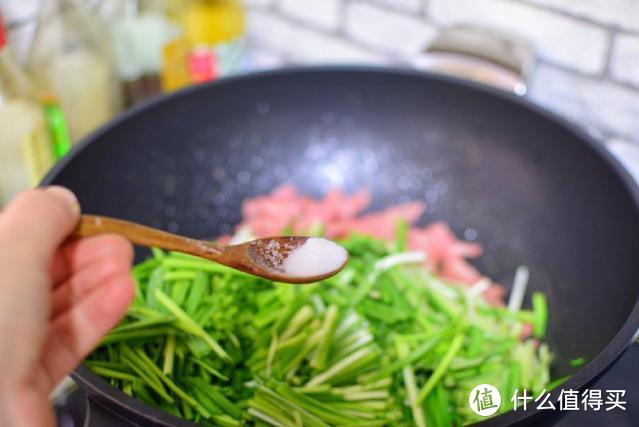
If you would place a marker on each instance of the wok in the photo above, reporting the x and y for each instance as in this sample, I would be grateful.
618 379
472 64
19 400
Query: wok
533 189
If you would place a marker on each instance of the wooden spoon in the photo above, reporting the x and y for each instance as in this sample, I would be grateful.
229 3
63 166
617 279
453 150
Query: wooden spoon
290 259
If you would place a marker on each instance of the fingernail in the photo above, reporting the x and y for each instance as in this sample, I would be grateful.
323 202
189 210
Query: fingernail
66 195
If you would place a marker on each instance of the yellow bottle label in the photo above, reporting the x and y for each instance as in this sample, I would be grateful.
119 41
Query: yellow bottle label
37 153
175 74
210 22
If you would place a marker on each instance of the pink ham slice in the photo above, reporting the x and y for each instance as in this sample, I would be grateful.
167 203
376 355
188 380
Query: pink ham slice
340 215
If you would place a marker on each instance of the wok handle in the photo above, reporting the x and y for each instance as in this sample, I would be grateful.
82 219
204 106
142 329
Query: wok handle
496 58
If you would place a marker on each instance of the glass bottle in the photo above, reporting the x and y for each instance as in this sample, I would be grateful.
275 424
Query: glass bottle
72 63
212 45
139 35
26 152
214 30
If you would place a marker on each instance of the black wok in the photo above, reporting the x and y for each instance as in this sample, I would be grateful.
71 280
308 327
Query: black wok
535 190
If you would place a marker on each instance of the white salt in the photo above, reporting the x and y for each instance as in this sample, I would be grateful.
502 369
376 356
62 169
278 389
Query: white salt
315 257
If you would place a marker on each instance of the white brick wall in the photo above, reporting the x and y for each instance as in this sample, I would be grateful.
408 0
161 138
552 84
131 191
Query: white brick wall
627 154
323 13
624 64
18 10
413 6
558 39
387 31
622 13
265 59
259 3
605 108
304 45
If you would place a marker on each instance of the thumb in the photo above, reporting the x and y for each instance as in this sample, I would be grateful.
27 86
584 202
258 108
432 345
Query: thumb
37 221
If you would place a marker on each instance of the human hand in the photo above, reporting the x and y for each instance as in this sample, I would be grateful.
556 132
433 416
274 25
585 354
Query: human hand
57 299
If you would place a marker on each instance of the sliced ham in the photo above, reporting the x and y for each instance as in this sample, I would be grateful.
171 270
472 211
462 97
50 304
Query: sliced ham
340 214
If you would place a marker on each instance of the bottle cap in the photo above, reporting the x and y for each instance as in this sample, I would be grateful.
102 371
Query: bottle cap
3 35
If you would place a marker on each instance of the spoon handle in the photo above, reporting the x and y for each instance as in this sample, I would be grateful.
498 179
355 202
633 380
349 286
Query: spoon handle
91 225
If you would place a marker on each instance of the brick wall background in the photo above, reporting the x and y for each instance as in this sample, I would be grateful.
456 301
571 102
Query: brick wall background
588 50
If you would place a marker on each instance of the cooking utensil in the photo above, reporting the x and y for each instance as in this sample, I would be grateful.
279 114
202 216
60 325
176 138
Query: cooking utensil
530 187
265 257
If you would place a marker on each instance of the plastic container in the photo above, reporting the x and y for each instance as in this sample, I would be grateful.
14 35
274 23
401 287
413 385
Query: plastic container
72 63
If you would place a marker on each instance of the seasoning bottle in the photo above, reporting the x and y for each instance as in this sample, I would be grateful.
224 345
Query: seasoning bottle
139 35
58 129
26 153
216 26
175 73
72 63
211 46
